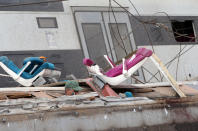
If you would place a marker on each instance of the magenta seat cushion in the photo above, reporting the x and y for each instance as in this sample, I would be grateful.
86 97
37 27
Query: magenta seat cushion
140 55
87 62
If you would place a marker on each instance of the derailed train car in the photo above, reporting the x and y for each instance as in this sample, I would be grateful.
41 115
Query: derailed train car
67 31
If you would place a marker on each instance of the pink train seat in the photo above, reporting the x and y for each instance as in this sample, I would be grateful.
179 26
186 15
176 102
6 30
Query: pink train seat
117 70
88 62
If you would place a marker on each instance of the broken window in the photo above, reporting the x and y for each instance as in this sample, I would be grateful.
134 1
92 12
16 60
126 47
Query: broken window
183 31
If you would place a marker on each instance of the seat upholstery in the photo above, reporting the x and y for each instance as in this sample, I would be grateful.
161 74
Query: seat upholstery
34 61
140 55
88 62
117 70
25 74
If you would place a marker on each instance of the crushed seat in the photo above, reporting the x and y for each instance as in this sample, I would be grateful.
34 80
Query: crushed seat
33 67
140 55
117 74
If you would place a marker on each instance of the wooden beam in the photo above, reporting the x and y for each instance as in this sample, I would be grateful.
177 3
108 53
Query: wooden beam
41 95
62 83
27 89
167 75
161 84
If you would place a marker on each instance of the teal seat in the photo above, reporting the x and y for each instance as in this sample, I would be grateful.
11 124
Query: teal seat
41 65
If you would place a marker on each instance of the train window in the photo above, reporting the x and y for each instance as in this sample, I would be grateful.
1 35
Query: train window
183 31
95 42
121 44
47 22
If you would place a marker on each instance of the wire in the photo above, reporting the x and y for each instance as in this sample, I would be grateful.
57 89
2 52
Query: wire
178 61
118 31
150 73
144 26
123 45
159 25
177 55
150 22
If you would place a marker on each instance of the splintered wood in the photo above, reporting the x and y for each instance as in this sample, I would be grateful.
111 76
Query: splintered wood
167 75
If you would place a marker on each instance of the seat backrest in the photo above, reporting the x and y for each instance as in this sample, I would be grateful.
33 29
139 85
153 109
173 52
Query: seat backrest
9 64
27 75
35 62
45 65
139 56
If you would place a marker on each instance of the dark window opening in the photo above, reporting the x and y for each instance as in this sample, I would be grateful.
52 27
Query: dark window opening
47 22
183 31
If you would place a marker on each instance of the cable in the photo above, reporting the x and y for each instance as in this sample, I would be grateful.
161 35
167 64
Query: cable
123 47
150 22
118 30
161 25
168 63
150 73
144 26
178 61
119 43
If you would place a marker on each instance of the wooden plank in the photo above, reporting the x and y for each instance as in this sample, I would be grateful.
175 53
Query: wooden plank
63 83
167 92
54 94
162 84
167 75
3 96
29 89
54 84
15 95
131 88
41 95
188 90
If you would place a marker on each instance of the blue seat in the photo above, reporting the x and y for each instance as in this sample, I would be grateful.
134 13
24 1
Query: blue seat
26 74
34 61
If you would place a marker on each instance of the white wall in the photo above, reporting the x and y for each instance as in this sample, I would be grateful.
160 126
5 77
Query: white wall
188 63
19 31
172 7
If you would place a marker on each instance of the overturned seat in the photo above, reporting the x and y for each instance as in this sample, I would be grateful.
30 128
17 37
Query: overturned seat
33 68
119 73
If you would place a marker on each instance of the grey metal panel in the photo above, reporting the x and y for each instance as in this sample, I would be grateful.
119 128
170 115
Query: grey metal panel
159 36
69 61
48 7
